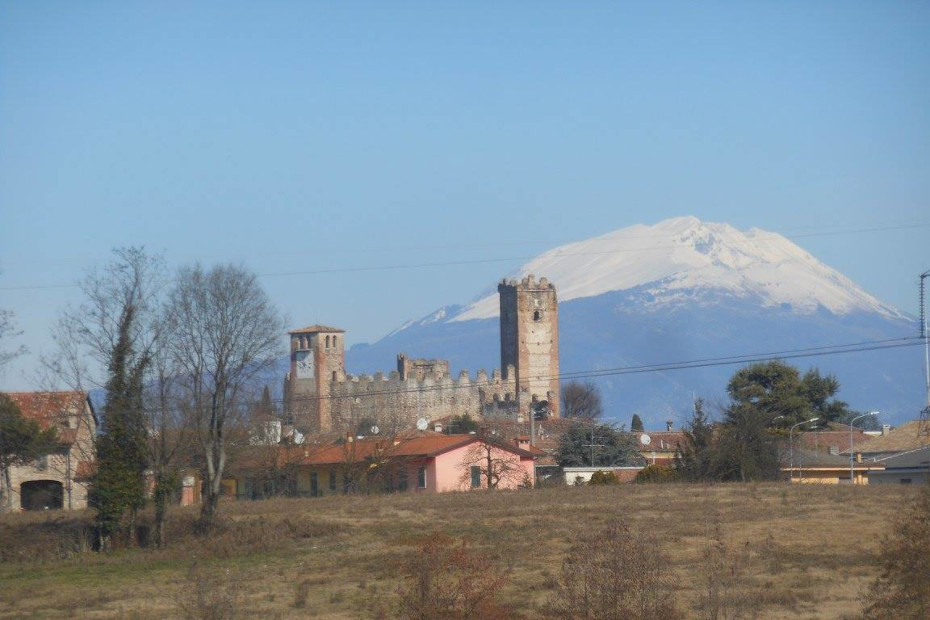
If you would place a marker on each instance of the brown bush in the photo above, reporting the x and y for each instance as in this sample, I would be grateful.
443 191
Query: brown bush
610 574
903 588
208 593
657 473
606 478
450 580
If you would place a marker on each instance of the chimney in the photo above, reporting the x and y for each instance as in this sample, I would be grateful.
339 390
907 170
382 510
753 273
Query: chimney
349 438
858 457
669 424
886 428
438 427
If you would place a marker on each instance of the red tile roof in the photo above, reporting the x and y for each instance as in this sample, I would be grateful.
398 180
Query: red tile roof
822 441
313 329
48 409
423 445
909 436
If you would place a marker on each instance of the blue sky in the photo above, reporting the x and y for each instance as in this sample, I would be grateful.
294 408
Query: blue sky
312 136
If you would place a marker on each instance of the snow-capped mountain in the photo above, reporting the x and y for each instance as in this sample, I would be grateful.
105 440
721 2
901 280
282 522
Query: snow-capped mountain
678 256
676 291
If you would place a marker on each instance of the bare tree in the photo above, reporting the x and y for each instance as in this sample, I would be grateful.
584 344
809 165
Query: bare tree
226 333
493 465
9 330
581 400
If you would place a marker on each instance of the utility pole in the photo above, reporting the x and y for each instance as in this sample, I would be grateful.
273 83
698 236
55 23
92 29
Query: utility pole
592 445
925 334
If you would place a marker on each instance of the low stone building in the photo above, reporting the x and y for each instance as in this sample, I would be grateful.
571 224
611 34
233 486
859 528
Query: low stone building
59 479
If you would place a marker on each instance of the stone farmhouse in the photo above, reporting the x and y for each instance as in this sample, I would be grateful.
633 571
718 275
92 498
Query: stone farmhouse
320 396
59 479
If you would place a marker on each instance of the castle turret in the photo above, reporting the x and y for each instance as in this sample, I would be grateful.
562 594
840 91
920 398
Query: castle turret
529 315
317 359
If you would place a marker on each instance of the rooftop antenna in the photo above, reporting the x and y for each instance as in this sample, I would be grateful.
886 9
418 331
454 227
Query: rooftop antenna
925 334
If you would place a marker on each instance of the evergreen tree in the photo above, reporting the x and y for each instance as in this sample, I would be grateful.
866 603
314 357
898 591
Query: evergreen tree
695 460
636 425
118 486
611 446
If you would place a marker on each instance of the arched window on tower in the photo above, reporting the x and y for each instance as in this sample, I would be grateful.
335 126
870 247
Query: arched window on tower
327 342
537 315
334 342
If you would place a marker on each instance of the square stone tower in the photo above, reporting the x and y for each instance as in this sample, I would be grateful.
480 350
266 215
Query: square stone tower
530 340
317 359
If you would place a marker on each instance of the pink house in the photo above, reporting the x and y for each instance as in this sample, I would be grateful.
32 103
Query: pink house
417 463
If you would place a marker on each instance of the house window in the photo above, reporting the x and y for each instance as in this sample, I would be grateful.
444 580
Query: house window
475 476
314 484
332 481
421 478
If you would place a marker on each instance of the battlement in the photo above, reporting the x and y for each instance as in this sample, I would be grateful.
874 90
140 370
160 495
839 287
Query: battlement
345 383
529 283
421 368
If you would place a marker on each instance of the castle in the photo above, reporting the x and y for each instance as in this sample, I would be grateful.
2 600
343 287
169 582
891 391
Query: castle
321 397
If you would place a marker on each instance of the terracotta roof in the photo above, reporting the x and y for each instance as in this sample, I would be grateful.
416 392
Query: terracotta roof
421 445
312 329
905 437
822 441
48 409
660 441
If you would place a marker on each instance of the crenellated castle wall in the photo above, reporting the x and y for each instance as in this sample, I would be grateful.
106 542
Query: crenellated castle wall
393 402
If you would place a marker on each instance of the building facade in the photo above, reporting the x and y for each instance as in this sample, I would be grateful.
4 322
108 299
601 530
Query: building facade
320 396
58 479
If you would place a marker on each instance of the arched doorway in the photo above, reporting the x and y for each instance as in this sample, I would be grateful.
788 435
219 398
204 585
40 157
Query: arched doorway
42 495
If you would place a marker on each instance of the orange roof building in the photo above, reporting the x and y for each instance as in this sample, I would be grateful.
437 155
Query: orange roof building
59 479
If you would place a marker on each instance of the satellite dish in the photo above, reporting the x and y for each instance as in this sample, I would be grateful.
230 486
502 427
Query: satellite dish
645 439
375 430
422 423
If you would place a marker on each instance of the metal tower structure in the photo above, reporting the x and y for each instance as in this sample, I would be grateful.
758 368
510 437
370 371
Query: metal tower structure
925 334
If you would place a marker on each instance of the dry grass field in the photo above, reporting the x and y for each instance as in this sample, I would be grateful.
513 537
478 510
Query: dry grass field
773 550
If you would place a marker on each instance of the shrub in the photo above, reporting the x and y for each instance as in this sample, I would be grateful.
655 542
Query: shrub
903 590
208 593
612 573
450 580
657 473
603 478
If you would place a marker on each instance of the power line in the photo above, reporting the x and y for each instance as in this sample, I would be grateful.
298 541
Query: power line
408 266
859 347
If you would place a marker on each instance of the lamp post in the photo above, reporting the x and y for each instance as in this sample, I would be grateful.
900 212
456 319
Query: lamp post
852 479
791 446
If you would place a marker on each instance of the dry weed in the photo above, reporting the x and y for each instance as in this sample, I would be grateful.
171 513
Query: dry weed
609 574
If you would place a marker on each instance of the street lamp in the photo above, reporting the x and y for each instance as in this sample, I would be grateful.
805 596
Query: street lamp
852 480
791 445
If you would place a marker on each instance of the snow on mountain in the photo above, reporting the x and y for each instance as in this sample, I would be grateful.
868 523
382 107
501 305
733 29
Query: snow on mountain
675 257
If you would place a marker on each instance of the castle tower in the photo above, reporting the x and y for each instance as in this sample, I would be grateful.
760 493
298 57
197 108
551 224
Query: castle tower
530 340
317 359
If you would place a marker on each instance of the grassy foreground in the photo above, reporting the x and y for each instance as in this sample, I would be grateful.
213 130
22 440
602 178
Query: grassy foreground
787 551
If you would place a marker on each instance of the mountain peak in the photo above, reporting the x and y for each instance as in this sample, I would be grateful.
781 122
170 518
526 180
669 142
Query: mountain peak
677 257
